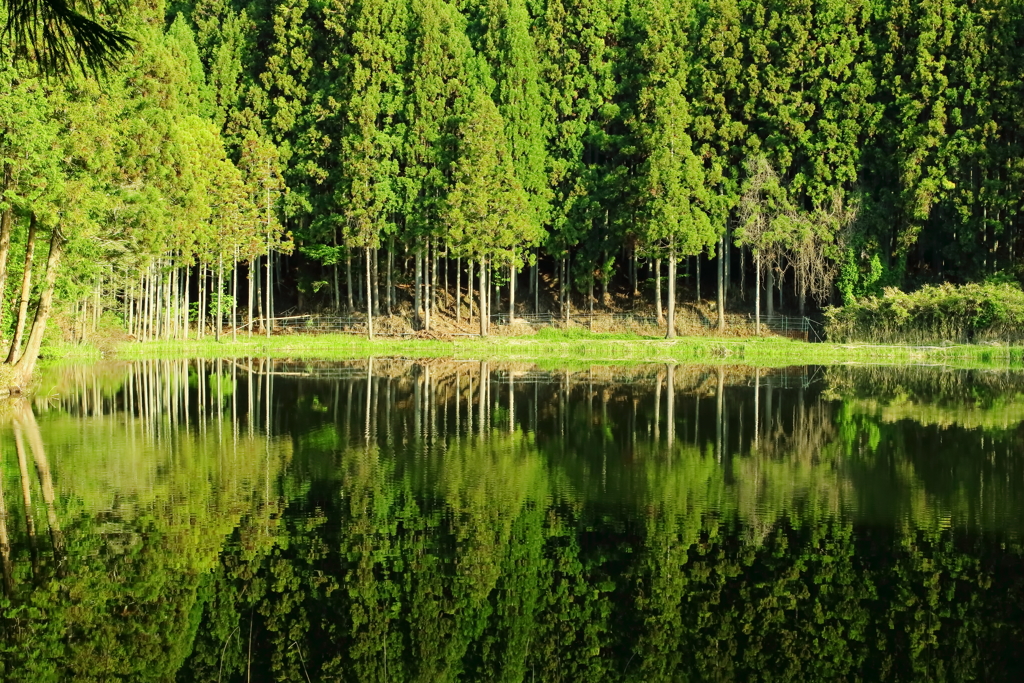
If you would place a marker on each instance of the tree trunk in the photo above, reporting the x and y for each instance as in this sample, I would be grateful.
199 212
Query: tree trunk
27 363
267 287
418 290
483 297
252 291
721 283
770 291
375 258
536 283
234 297
757 295
697 278
369 299
435 259
657 291
458 290
188 277
782 289
469 288
511 294
348 277
427 291
566 265
671 333
203 307
801 294
26 292
391 282
220 298
633 258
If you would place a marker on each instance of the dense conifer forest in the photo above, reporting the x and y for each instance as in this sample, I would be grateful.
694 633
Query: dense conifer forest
386 155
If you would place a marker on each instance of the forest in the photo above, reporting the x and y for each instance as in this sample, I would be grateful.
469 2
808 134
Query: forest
240 160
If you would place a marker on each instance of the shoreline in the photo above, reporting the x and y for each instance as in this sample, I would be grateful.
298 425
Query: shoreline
561 348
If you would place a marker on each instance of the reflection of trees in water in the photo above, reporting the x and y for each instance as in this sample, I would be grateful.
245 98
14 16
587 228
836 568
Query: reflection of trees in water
468 521
138 506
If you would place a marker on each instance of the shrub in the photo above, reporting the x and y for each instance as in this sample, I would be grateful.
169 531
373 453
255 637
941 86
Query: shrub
935 313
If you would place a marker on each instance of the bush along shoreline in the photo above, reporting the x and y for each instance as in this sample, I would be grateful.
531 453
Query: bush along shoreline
935 314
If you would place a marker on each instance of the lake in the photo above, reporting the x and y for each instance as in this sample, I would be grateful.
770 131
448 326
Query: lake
387 520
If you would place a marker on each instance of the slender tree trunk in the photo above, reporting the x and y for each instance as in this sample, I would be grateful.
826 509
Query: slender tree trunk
801 295
657 291
782 289
770 291
188 277
697 280
757 294
129 296
348 277
425 263
172 304
201 318
257 289
433 277
469 287
511 294
743 272
250 298
27 363
234 297
671 333
369 299
417 260
337 283
721 283
536 283
268 285
337 289
167 302
26 292
375 258
568 288
483 297
220 297
391 268
458 291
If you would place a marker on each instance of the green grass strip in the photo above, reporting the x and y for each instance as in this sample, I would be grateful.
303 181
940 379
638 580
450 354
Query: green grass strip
573 347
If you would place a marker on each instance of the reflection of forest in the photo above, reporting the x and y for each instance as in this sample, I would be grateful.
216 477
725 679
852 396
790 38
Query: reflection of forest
383 521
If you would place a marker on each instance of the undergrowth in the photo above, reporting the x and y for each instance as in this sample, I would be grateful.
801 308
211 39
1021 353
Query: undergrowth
973 313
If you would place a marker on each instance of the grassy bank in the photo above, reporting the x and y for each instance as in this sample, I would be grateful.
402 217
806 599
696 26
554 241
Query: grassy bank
559 347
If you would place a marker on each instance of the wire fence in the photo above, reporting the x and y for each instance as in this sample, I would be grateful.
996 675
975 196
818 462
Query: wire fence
792 326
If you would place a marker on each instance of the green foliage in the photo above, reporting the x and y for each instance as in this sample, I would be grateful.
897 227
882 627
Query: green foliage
968 313
488 212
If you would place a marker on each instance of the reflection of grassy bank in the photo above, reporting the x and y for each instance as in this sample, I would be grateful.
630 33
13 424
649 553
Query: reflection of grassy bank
576 346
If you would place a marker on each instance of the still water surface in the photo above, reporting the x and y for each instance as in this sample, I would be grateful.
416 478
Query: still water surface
440 521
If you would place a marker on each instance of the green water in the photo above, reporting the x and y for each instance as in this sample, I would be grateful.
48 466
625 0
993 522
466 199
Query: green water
396 521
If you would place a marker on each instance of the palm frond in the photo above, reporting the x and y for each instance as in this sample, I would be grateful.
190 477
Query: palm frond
61 35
